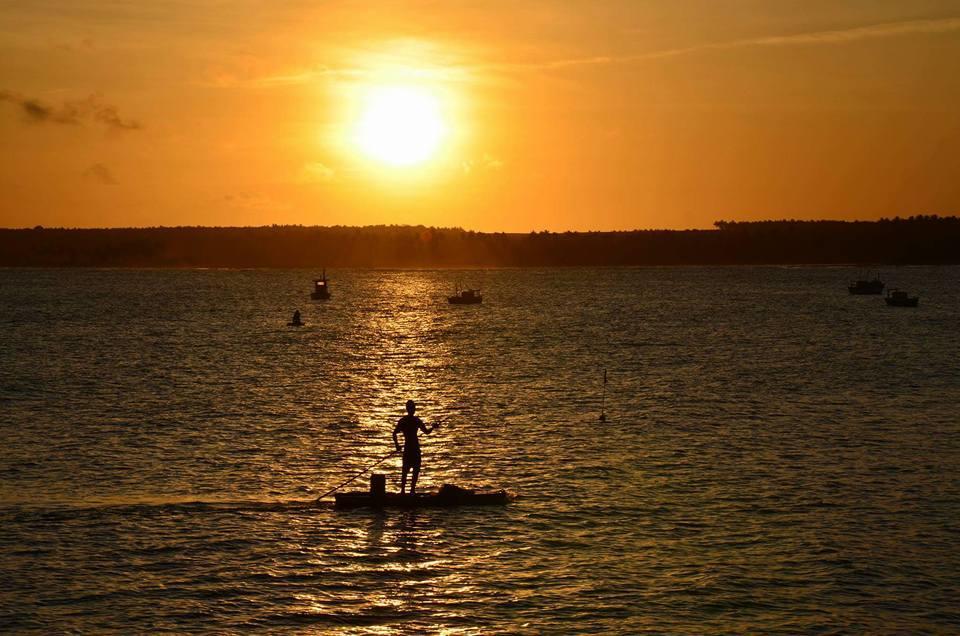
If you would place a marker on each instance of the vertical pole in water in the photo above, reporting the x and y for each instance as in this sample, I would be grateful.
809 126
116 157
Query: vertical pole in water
603 400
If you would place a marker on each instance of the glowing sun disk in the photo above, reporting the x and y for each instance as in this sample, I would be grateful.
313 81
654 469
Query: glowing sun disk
400 125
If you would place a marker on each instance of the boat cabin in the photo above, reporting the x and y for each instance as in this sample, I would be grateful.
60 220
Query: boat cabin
898 298
321 289
864 286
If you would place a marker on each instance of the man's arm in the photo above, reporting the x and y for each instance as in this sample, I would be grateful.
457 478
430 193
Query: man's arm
396 429
423 427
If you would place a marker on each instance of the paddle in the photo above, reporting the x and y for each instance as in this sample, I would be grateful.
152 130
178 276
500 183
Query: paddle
365 470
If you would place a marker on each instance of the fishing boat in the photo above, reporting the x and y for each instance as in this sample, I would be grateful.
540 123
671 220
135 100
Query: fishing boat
864 287
448 496
465 297
897 298
321 288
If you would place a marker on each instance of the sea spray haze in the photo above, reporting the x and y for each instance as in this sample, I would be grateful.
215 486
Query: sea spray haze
779 456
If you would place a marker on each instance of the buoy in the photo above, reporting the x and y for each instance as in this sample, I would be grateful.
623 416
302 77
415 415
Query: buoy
603 400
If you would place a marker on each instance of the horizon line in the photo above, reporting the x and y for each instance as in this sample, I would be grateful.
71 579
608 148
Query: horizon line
713 227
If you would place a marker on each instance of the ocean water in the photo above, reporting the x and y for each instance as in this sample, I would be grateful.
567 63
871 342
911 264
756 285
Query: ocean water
779 456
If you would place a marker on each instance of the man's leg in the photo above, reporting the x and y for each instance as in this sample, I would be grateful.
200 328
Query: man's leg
403 479
413 481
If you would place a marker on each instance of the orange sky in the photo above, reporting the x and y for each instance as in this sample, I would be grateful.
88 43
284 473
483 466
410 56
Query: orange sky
556 114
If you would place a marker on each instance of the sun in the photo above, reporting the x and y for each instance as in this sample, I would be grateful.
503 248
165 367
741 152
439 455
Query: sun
400 125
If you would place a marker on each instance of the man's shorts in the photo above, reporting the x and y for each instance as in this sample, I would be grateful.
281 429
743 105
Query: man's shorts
411 458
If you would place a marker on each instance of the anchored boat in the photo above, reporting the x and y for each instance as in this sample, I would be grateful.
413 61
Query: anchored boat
465 297
897 298
864 287
321 288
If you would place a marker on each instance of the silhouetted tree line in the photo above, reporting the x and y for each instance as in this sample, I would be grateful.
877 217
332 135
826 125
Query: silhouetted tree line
913 240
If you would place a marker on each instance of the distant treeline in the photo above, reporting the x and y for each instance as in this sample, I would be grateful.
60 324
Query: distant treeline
913 240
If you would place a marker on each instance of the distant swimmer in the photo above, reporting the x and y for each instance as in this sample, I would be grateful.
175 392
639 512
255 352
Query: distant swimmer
295 321
409 424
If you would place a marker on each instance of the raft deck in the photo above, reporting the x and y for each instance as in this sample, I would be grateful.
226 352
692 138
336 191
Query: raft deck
442 499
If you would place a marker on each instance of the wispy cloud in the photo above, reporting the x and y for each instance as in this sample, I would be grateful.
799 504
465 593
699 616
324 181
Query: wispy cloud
485 162
254 201
456 71
319 72
840 36
84 44
885 30
99 173
398 60
77 112
317 172
36 111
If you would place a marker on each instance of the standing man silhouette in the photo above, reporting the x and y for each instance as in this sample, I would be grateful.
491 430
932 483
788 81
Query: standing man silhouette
409 424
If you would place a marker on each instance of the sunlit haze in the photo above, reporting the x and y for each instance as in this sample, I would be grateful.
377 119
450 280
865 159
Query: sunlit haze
501 116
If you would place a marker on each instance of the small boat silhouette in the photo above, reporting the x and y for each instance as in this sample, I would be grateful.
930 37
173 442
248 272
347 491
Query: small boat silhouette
897 298
321 288
465 297
864 286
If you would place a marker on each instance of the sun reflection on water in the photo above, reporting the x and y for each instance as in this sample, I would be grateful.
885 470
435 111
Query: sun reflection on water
410 357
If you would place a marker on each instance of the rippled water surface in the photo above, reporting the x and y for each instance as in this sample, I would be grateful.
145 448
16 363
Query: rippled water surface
778 456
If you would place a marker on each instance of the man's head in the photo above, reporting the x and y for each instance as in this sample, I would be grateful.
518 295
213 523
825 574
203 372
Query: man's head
411 407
